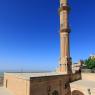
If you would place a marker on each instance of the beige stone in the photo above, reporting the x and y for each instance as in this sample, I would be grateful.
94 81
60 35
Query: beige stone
39 83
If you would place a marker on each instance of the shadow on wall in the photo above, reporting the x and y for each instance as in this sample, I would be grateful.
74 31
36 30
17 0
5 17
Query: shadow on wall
77 92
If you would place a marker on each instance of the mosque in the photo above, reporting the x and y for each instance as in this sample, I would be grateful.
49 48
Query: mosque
50 83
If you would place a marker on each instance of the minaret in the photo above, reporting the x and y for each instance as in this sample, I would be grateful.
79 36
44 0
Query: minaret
65 59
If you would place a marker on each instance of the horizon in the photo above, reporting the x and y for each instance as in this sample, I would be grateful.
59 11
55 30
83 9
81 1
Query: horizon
29 33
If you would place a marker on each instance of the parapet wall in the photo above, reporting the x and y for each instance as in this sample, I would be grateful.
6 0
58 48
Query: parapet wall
48 85
75 76
88 76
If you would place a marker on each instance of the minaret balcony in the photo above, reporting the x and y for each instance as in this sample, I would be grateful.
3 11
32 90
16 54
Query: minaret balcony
66 8
65 30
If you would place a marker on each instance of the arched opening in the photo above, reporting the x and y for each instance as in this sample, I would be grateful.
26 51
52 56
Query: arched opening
77 92
55 93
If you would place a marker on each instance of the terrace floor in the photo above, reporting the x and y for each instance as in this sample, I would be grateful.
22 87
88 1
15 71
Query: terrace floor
4 91
86 85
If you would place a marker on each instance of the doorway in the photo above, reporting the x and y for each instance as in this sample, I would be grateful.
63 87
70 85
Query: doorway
55 93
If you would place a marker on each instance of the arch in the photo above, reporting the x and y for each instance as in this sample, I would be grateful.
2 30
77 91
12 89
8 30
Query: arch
77 92
55 93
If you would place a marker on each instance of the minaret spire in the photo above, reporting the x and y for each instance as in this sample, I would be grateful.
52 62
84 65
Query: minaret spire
65 59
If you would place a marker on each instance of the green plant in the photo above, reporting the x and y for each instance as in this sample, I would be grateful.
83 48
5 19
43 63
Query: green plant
90 63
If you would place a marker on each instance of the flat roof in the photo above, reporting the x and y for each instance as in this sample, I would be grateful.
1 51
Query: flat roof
27 76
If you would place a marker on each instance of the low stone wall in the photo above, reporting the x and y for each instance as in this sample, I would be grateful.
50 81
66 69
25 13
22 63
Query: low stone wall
88 76
88 70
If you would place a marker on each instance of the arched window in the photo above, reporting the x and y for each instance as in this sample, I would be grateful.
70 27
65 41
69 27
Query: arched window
55 93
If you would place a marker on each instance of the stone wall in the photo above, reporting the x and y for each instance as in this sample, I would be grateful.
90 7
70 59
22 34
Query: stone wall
88 76
16 85
44 85
50 85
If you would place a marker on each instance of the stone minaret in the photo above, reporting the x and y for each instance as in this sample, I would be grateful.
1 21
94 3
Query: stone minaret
65 59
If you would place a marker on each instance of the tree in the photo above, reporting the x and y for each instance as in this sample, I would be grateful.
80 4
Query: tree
90 63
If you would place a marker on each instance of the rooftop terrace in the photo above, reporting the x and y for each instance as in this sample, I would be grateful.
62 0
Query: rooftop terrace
31 75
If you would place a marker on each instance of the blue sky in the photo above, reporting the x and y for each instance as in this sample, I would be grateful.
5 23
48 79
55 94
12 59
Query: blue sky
29 33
